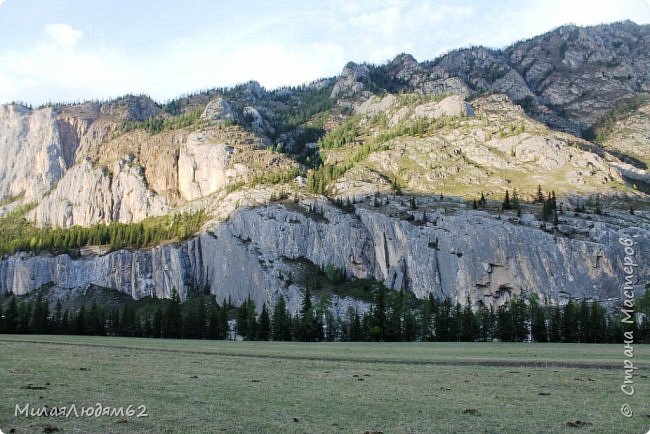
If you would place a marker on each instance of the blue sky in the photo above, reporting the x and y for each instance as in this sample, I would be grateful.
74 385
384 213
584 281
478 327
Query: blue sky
66 50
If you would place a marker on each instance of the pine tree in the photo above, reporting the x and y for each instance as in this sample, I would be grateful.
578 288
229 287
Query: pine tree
251 320
223 322
40 316
11 320
353 331
514 202
113 324
486 323
394 330
35 320
65 323
519 315
426 319
218 322
80 321
379 316
242 319
264 331
281 324
173 318
58 316
191 328
202 320
538 322
555 325
213 325
547 209
468 323
597 323
584 326
553 200
540 194
95 321
442 321
504 324
506 202
322 310
455 322
331 326
410 326
147 327
569 323
157 324
308 326
482 202
246 320
128 322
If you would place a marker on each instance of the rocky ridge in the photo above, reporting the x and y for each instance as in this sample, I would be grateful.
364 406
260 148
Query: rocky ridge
473 121
453 253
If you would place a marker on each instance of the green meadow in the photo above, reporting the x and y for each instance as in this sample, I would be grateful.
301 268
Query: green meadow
203 386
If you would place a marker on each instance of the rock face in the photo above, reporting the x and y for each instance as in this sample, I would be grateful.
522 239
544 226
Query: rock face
352 80
488 146
131 158
131 108
451 106
568 78
218 110
255 120
202 166
34 156
466 254
581 70
89 195
629 138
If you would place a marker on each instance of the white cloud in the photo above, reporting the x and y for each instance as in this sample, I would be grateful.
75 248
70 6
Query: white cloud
65 71
55 68
379 33
273 64
66 64
63 35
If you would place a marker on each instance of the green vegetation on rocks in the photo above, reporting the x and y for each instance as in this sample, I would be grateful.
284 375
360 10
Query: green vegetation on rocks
158 124
18 234
604 126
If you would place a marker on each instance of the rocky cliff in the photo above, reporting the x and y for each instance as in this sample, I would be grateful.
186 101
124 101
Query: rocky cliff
568 78
458 253
34 156
566 110
90 195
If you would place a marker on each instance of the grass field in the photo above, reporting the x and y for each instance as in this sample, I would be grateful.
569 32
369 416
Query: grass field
217 386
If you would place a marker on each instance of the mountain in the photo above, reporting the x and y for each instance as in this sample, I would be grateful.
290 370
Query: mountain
394 173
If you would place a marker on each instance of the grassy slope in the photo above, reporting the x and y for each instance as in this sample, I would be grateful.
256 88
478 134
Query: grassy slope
258 394
418 154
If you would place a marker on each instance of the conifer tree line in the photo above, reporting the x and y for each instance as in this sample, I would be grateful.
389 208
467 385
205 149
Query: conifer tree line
16 234
549 204
393 316
200 318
